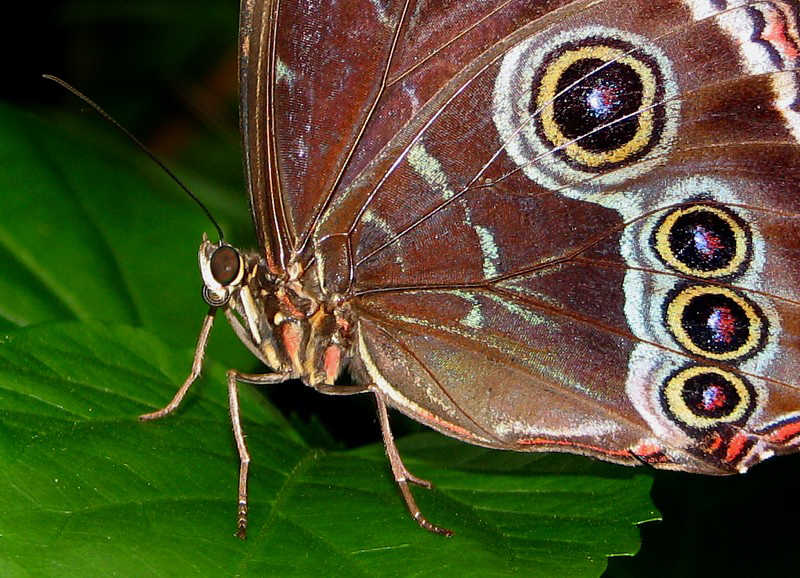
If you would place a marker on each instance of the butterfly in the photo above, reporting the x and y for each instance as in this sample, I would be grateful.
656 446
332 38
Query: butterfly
560 225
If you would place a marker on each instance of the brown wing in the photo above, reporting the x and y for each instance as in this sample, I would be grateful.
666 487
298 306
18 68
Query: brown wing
310 74
561 225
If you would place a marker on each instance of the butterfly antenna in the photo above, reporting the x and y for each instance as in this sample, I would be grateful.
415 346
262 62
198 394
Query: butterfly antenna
138 143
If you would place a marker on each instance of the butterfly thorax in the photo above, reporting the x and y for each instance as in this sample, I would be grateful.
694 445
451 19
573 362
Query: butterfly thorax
283 319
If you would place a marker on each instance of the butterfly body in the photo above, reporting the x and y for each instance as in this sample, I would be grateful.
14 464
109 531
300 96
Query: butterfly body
287 324
535 226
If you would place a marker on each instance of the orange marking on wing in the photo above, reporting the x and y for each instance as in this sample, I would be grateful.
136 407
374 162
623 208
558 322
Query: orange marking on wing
650 452
647 449
544 442
777 35
736 447
785 433
716 443
425 414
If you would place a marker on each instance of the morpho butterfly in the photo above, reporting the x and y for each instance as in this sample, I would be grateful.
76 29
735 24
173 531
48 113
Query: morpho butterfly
533 225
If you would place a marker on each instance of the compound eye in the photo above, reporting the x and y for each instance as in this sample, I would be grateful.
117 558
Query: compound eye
225 265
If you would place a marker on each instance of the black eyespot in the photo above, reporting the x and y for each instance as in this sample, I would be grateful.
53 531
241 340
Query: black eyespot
587 109
599 103
710 395
225 265
699 397
715 322
704 241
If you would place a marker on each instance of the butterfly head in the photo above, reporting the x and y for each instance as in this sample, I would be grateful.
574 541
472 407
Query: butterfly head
222 268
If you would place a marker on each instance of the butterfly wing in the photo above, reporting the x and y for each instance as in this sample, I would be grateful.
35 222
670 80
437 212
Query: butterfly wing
560 226
309 76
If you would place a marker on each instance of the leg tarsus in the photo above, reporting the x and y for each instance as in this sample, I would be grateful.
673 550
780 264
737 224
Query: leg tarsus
401 474
241 525
197 367
418 481
238 433
244 455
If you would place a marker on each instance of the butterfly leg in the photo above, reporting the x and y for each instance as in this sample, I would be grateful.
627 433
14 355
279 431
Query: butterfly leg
244 456
401 474
197 367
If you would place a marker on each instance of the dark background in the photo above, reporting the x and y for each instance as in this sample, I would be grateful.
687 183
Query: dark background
166 70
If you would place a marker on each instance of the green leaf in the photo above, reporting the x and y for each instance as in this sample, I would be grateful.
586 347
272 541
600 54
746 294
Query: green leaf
87 488
100 307
85 235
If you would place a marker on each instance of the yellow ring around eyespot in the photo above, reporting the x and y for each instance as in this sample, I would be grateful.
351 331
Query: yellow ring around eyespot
673 393
663 247
547 95
679 303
